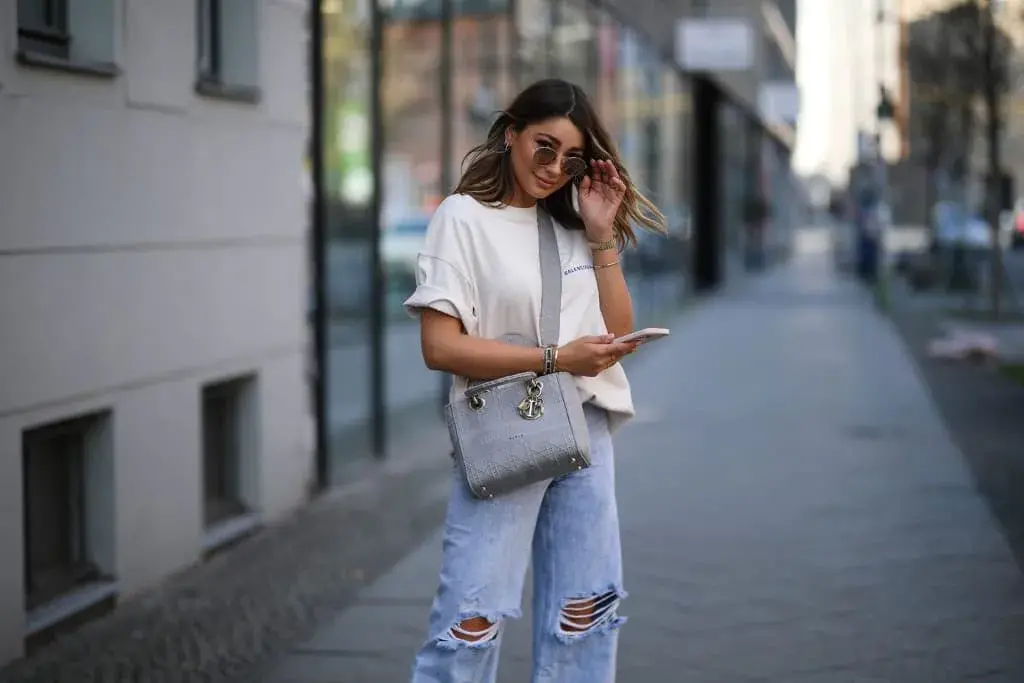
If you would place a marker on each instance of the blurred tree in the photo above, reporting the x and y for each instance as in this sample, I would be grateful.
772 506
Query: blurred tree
944 87
958 61
996 50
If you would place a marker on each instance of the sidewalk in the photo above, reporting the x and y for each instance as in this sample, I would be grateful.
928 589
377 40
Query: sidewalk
793 511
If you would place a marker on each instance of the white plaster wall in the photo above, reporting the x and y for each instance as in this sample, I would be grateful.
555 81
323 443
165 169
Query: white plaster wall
151 240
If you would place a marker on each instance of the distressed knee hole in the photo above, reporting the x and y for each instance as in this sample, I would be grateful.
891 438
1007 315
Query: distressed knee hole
475 630
580 616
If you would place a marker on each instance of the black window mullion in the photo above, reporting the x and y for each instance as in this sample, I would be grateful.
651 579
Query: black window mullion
215 38
210 31
72 452
55 13
43 27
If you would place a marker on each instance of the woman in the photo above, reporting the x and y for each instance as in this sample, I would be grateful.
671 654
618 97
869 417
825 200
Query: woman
478 280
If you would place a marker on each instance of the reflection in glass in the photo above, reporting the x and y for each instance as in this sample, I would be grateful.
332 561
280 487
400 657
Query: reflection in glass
348 188
534 24
412 162
779 190
733 184
481 77
575 44
682 220
626 102
674 252
606 86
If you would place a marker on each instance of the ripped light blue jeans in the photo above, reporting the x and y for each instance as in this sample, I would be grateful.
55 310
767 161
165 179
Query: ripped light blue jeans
572 526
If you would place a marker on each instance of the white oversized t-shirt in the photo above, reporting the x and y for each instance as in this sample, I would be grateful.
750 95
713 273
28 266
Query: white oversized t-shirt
480 264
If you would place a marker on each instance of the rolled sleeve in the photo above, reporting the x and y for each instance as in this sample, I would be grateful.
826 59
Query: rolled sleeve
442 287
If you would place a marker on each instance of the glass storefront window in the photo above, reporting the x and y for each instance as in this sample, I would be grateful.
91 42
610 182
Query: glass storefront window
682 108
482 77
534 19
575 44
347 186
733 193
430 117
650 113
627 103
606 85
412 159
675 249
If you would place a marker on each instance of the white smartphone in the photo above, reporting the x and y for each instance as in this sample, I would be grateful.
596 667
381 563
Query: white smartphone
645 335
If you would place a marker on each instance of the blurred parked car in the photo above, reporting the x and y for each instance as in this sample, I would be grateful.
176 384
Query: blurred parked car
400 244
1017 228
961 245
953 225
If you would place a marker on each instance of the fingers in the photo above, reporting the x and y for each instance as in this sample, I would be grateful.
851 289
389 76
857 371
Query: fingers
611 171
616 351
604 352
602 171
605 177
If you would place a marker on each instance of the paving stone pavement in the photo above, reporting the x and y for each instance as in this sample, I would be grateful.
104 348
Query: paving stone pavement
793 510
226 618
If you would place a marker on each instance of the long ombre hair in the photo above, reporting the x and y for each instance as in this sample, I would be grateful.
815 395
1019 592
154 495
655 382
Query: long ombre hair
487 168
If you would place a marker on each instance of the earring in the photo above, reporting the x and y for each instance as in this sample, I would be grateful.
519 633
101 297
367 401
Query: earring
508 146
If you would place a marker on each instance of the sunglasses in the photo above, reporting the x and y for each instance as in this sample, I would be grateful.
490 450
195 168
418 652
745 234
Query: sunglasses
572 166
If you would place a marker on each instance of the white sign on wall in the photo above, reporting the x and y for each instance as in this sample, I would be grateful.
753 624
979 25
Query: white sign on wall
714 45
779 102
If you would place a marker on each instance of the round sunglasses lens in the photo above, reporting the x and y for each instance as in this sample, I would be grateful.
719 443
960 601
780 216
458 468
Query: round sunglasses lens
574 166
543 156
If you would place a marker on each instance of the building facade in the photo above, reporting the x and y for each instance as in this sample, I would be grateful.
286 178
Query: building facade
437 71
202 330
766 78
152 264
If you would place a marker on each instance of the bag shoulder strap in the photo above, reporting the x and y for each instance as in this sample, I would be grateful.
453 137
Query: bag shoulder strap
551 279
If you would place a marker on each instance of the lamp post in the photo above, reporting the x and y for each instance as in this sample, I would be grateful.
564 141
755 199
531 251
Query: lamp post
885 111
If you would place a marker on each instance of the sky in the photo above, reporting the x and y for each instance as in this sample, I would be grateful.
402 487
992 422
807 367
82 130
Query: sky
841 53
809 154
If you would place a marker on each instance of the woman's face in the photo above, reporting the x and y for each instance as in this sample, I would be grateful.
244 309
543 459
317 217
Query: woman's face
546 155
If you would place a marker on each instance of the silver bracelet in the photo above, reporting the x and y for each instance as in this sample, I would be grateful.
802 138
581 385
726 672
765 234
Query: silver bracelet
550 356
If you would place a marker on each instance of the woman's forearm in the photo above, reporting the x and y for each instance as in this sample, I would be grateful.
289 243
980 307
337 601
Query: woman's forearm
616 304
480 359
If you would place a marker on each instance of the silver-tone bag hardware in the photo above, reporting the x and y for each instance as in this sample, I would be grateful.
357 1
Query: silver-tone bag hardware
532 407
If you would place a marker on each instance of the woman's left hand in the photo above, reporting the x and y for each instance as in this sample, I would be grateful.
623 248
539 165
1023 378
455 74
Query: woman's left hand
601 194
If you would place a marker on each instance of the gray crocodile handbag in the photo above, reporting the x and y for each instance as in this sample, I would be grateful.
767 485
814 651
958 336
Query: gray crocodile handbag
524 428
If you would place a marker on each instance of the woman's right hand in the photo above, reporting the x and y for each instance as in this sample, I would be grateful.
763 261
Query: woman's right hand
590 356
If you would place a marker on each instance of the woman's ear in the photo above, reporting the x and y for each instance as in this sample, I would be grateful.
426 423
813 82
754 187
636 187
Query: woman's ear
510 137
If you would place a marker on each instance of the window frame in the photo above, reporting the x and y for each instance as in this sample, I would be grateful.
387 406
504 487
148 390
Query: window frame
71 441
49 44
211 59
208 41
222 452
52 37
230 451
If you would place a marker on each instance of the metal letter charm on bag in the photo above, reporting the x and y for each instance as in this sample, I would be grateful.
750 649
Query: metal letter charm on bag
524 428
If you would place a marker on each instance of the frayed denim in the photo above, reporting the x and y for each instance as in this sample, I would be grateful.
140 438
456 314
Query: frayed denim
571 525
